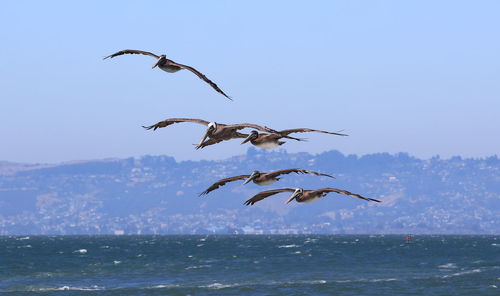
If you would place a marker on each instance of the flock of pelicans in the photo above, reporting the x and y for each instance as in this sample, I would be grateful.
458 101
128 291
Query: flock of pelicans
260 136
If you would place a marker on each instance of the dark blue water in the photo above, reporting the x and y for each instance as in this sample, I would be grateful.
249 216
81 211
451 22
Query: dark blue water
250 265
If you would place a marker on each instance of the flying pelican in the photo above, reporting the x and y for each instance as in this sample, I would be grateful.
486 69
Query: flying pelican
217 132
260 178
272 140
169 66
301 195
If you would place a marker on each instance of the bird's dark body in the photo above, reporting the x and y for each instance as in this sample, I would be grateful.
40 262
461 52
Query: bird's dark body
166 66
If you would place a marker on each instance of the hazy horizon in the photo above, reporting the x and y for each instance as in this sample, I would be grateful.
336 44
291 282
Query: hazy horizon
245 152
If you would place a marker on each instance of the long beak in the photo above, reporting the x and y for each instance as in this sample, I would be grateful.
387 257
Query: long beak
252 176
156 64
247 139
204 137
292 197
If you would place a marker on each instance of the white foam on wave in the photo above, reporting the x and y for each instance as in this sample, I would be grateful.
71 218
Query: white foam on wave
163 286
25 246
495 245
219 286
81 251
362 280
343 281
383 280
312 282
448 266
198 266
70 288
310 240
23 238
117 262
288 246
465 272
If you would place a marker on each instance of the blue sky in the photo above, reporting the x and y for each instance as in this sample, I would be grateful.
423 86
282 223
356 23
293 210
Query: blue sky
398 76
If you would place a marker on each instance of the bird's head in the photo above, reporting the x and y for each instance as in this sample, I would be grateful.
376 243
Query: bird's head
252 136
160 60
211 127
254 175
296 194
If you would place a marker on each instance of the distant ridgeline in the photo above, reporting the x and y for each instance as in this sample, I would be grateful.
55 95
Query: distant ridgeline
157 195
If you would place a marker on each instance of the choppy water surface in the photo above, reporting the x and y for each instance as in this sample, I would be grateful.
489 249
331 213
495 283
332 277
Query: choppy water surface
250 265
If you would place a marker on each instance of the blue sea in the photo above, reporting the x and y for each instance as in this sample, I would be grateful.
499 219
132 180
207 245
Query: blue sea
250 265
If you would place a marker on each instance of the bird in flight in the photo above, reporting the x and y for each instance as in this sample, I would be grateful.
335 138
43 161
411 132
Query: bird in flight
260 178
272 140
301 195
169 66
216 132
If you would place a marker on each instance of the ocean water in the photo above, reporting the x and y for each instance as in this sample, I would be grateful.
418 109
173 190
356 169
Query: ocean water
250 265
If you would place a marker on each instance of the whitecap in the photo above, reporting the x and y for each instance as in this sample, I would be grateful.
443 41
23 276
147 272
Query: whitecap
461 273
25 246
495 245
289 246
384 280
448 266
197 267
117 262
298 252
81 251
200 245
161 286
310 240
492 286
218 286
343 281
315 282
307 282
68 288
24 238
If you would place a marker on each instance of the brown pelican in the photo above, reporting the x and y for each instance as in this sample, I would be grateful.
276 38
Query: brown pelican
272 140
261 178
169 66
301 195
217 132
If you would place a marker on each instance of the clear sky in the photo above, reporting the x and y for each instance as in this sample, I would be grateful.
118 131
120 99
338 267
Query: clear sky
421 77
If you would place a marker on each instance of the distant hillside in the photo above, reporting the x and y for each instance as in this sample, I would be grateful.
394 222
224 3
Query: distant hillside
156 194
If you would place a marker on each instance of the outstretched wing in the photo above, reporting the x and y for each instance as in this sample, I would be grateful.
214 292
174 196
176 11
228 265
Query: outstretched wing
298 171
345 192
307 130
240 126
223 182
170 121
200 75
264 194
132 51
